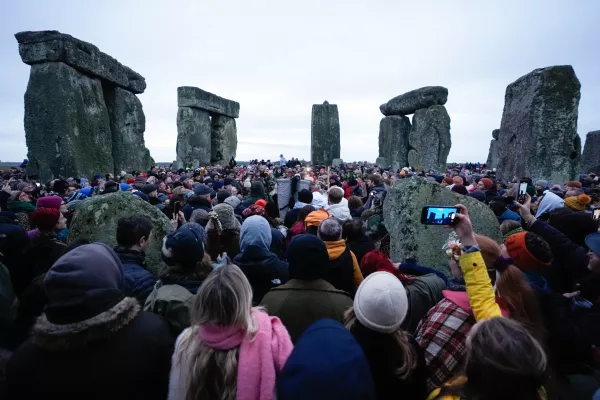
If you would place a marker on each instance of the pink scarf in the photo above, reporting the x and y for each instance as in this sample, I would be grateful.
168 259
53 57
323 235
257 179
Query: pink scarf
262 354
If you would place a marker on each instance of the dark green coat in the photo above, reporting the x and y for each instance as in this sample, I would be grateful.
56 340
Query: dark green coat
299 303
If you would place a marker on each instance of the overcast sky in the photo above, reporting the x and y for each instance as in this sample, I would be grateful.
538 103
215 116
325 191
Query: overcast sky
278 57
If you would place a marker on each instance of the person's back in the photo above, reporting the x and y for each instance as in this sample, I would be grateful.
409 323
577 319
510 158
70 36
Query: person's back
356 239
92 342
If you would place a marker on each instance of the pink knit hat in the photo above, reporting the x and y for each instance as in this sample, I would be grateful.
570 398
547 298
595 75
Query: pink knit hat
49 202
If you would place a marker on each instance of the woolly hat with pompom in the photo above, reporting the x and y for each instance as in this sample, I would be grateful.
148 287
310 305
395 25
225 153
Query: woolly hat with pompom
578 203
45 218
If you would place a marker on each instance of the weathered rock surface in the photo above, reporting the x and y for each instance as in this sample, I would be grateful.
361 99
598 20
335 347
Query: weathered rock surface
414 242
414 100
429 139
50 46
67 126
193 137
590 159
337 162
393 140
127 123
325 133
492 160
223 139
96 220
538 134
496 133
189 96
381 162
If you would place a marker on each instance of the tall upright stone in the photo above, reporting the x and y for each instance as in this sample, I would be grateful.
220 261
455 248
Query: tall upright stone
590 159
492 160
393 139
325 133
223 139
82 116
193 137
429 140
538 134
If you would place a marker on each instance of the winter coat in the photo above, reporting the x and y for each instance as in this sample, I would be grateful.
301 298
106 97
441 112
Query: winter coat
344 273
509 215
138 281
257 192
227 242
360 246
126 355
377 195
8 306
14 243
43 252
22 210
356 212
339 211
195 203
291 217
299 303
423 293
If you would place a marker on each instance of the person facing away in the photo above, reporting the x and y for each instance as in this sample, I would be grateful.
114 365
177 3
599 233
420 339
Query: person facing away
344 273
338 208
396 361
306 297
356 239
232 350
133 239
91 342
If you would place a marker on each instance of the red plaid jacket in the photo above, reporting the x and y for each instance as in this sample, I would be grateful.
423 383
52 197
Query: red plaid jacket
442 334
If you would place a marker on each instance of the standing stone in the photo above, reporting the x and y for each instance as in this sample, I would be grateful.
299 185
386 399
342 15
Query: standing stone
193 137
337 162
223 139
393 140
381 162
189 96
492 160
325 133
429 139
590 159
127 123
414 100
67 126
496 134
538 135
420 244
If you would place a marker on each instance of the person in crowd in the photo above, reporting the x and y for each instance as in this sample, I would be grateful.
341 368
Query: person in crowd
232 350
423 286
541 186
576 225
305 198
355 205
187 268
355 188
200 217
459 188
377 192
19 203
257 192
499 350
548 203
13 242
396 361
356 239
223 233
502 212
222 195
91 341
326 364
337 208
133 239
577 203
299 227
307 296
489 188
344 273
48 202
237 206
314 219
261 266
200 200
509 226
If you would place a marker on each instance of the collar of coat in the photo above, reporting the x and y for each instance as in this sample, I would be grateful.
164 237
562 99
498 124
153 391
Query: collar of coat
319 285
51 336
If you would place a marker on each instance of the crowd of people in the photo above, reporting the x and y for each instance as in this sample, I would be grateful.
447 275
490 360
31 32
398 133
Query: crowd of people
261 300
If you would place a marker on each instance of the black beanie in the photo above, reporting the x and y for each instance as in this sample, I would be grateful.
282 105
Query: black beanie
308 258
222 195
305 196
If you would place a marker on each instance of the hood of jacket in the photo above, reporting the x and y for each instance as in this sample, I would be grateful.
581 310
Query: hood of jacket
257 189
335 249
256 231
549 202
339 211
256 262
191 282
327 356
197 201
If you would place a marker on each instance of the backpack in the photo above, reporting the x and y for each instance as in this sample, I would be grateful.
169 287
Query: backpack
172 303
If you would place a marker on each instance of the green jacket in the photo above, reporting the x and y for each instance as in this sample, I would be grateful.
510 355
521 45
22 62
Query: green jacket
173 303
299 303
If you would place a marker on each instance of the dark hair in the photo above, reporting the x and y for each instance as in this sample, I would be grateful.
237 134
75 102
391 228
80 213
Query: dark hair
538 247
376 179
304 211
354 202
131 229
352 229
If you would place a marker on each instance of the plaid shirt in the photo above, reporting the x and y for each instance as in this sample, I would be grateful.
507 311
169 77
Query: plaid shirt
442 334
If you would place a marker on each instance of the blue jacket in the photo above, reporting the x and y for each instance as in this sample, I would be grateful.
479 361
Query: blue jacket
137 281
195 203
509 215
326 363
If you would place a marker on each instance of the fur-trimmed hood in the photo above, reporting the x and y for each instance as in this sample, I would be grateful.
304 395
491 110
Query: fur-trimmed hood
50 336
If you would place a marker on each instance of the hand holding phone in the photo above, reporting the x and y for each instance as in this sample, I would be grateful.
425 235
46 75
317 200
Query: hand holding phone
438 215
522 196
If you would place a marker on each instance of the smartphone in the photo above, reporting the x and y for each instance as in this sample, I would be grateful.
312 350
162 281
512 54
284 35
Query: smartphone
176 207
522 191
438 215
596 214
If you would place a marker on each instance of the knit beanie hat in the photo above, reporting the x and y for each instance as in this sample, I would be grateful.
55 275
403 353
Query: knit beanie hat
233 201
574 184
222 195
381 303
529 251
448 180
45 218
261 203
305 196
199 216
49 202
578 203
253 210
227 217
308 258
487 183
477 194
184 247
149 188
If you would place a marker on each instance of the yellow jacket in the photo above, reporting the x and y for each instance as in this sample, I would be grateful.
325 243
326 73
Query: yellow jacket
335 249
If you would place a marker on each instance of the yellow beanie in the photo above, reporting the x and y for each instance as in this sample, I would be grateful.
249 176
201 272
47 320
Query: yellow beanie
578 203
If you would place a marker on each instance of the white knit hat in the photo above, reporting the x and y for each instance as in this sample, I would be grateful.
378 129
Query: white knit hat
381 303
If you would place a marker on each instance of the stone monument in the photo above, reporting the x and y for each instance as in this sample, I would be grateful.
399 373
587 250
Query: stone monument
492 160
426 143
325 134
590 159
82 115
538 134
206 129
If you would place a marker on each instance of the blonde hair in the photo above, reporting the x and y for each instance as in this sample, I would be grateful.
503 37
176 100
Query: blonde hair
224 299
399 338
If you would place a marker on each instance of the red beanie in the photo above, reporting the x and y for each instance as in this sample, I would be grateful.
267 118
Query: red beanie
487 183
45 218
518 251
49 202
261 203
130 181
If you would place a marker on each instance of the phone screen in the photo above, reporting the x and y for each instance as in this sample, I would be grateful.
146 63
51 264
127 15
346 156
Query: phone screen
597 214
522 192
176 207
438 215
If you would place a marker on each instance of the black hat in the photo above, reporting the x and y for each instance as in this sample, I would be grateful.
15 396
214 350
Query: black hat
308 258
305 196
149 188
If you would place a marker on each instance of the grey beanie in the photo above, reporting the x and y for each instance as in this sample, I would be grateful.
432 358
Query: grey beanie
227 217
199 216
233 201
381 303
